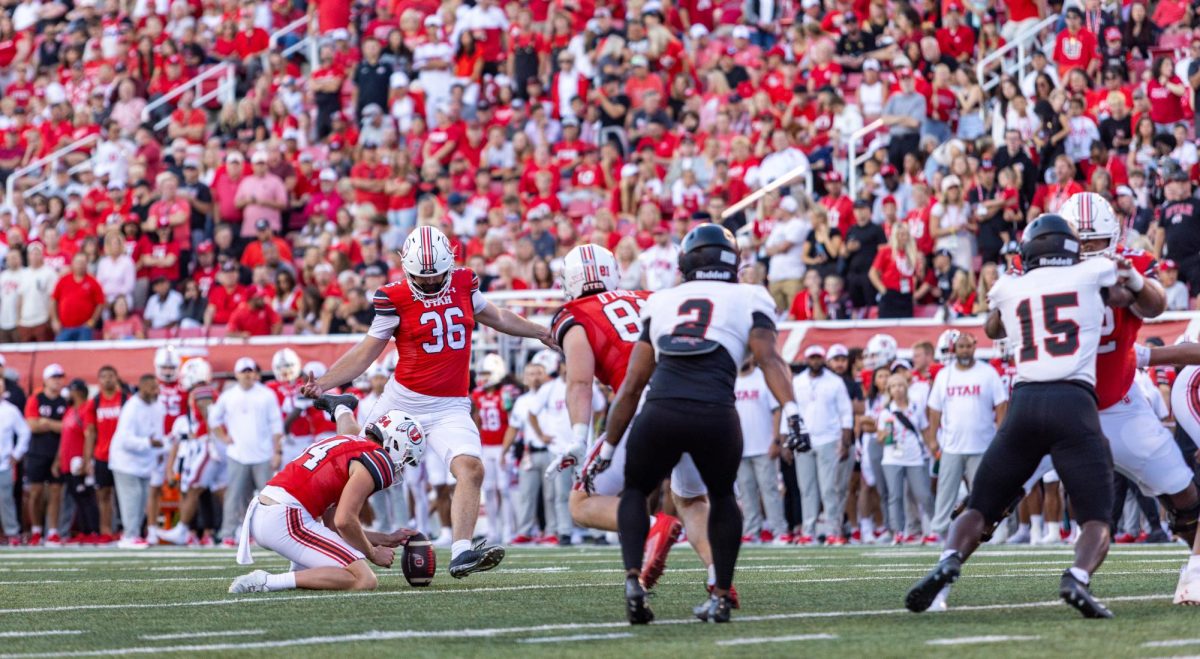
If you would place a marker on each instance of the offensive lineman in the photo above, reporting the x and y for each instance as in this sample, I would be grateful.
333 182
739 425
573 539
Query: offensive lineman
1054 313
597 329
308 512
692 339
431 314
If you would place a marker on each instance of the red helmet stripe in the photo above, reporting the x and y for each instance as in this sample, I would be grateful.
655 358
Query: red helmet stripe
589 263
426 248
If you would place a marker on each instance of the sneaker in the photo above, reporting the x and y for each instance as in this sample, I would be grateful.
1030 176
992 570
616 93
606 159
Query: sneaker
635 603
35 539
714 609
925 591
564 541
1158 537
1187 591
229 542
480 558
733 596
14 541
206 541
1021 537
931 539
750 540
327 403
176 535
1079 596
551 540
803 540
1142 537
663 534
133 543
785 538
53 540
1124 539
76 539
255 582
152 535
765 536
856 537
443 540
522 540
835 541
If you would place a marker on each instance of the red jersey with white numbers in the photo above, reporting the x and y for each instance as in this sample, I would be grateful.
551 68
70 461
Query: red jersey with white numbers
285 394
1007 371
174 398
493 404
433 339
1116 363
316 478
612 322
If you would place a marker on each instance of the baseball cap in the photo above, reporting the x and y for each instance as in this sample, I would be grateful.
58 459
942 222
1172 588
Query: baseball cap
1112 32
398 80
1178 174
837 350
1124 191
942 251
244 364
262 225
116 185
887 170
258 157
433 20
901 363
191 163
206 247
235 156
741 32
328 174
229 266
833 176
53 371
871 65
697 31
862 203
951 181
1167 264
639 60
889 200
789 204
814 351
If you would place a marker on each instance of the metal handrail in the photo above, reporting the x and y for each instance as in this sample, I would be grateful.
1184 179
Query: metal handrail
224 68
11 185
45 182
227 88
1020 44
307 41
301 22
853 158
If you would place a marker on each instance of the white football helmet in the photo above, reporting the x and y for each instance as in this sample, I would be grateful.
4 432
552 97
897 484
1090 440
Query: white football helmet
493 370
166 364
1094 219
285 365
195 372
589 269
944 352
881 351
316 369
427 253
401 436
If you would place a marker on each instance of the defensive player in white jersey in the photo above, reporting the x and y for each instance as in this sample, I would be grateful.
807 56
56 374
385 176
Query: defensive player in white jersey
431 314
693 338
1055 313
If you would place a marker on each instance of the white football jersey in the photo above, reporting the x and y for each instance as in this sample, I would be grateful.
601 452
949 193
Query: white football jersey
1053 316
688 325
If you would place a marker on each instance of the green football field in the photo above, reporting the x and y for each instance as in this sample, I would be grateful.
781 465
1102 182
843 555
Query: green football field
568 602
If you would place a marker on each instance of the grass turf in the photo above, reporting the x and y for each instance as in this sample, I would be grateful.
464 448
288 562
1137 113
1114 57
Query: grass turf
568 602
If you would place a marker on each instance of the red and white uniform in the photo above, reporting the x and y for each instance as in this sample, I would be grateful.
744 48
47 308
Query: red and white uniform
300 434
493 405
433 346
612 322
1142 448
200 461
304 490
174 399
1185 401
1007 372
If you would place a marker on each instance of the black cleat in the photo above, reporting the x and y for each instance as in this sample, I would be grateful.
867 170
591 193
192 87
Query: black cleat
635 603
922 594
564 540
480 558
1077 594
715 609
327 403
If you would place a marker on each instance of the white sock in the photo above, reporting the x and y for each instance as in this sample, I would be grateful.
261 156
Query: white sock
1035 523
1021 527
1083 577
712 575
446 532
340 410
866 527
1194 562
947 553
1053 531
35 529
459 547
285 581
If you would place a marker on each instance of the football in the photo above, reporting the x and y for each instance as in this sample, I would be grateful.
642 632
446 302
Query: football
419 561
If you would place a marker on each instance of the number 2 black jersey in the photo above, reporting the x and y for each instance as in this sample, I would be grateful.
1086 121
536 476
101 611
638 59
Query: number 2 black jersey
699 331
1055 315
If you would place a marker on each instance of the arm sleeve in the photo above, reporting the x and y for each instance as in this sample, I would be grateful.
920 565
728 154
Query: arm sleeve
478 301
379 465
562 322
386 320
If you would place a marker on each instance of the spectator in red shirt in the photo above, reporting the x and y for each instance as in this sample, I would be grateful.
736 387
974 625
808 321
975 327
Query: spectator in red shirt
78 302
954 38
894 273
1166 93
1076 47
225 297
840 207
252 257
100 424
254 317
225 187
71 450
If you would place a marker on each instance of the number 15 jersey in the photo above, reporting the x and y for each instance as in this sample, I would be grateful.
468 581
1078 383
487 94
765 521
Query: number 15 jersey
1054 315
612 322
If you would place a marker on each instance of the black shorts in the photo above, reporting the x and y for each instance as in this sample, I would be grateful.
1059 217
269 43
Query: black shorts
1055 418
666 428
37 469
104 477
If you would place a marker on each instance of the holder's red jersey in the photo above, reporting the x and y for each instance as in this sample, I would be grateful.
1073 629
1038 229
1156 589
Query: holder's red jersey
1116 363
612 322
317 477
433 338
174 398
493 404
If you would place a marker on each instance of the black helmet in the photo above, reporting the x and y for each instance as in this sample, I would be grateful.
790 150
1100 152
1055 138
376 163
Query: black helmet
709 252
1049 240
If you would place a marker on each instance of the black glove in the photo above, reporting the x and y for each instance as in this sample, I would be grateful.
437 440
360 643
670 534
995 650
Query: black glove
797 435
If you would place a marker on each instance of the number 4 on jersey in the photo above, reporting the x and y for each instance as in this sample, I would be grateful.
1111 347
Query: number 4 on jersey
317 452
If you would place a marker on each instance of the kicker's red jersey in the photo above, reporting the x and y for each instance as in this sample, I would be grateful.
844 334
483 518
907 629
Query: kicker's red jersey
433 339
493 404
1116 363
319 475
174 398
612 322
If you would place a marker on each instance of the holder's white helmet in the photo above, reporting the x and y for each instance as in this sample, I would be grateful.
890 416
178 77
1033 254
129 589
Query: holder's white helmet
881 351
427 253
492 370
944 352
166 363
285 365
195 372
401 436
589 269
1094 219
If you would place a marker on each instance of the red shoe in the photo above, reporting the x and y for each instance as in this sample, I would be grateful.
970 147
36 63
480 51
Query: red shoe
787 538
229 542
14 541
835 541
663 534
206 541
931 539
766 536
733 596
53 539
1140 538
1124 539
856 537
521 540
803 540
748 539
548 540
76 539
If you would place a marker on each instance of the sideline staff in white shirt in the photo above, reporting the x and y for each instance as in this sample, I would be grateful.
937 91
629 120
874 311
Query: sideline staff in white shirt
966 404
14 442
248 419
133 455
823 473
758 475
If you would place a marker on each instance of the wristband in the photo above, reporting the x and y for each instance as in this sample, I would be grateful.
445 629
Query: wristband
1136 282
790 409
580 430
607 450
1142 354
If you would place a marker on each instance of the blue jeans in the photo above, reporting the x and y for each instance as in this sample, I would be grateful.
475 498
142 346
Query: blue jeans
83 333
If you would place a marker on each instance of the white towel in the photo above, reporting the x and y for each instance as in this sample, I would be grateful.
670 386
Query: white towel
243 553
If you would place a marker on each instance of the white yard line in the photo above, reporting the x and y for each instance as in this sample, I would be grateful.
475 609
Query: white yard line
975 640
183 635
46 632
778 639
577 637
1175 643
